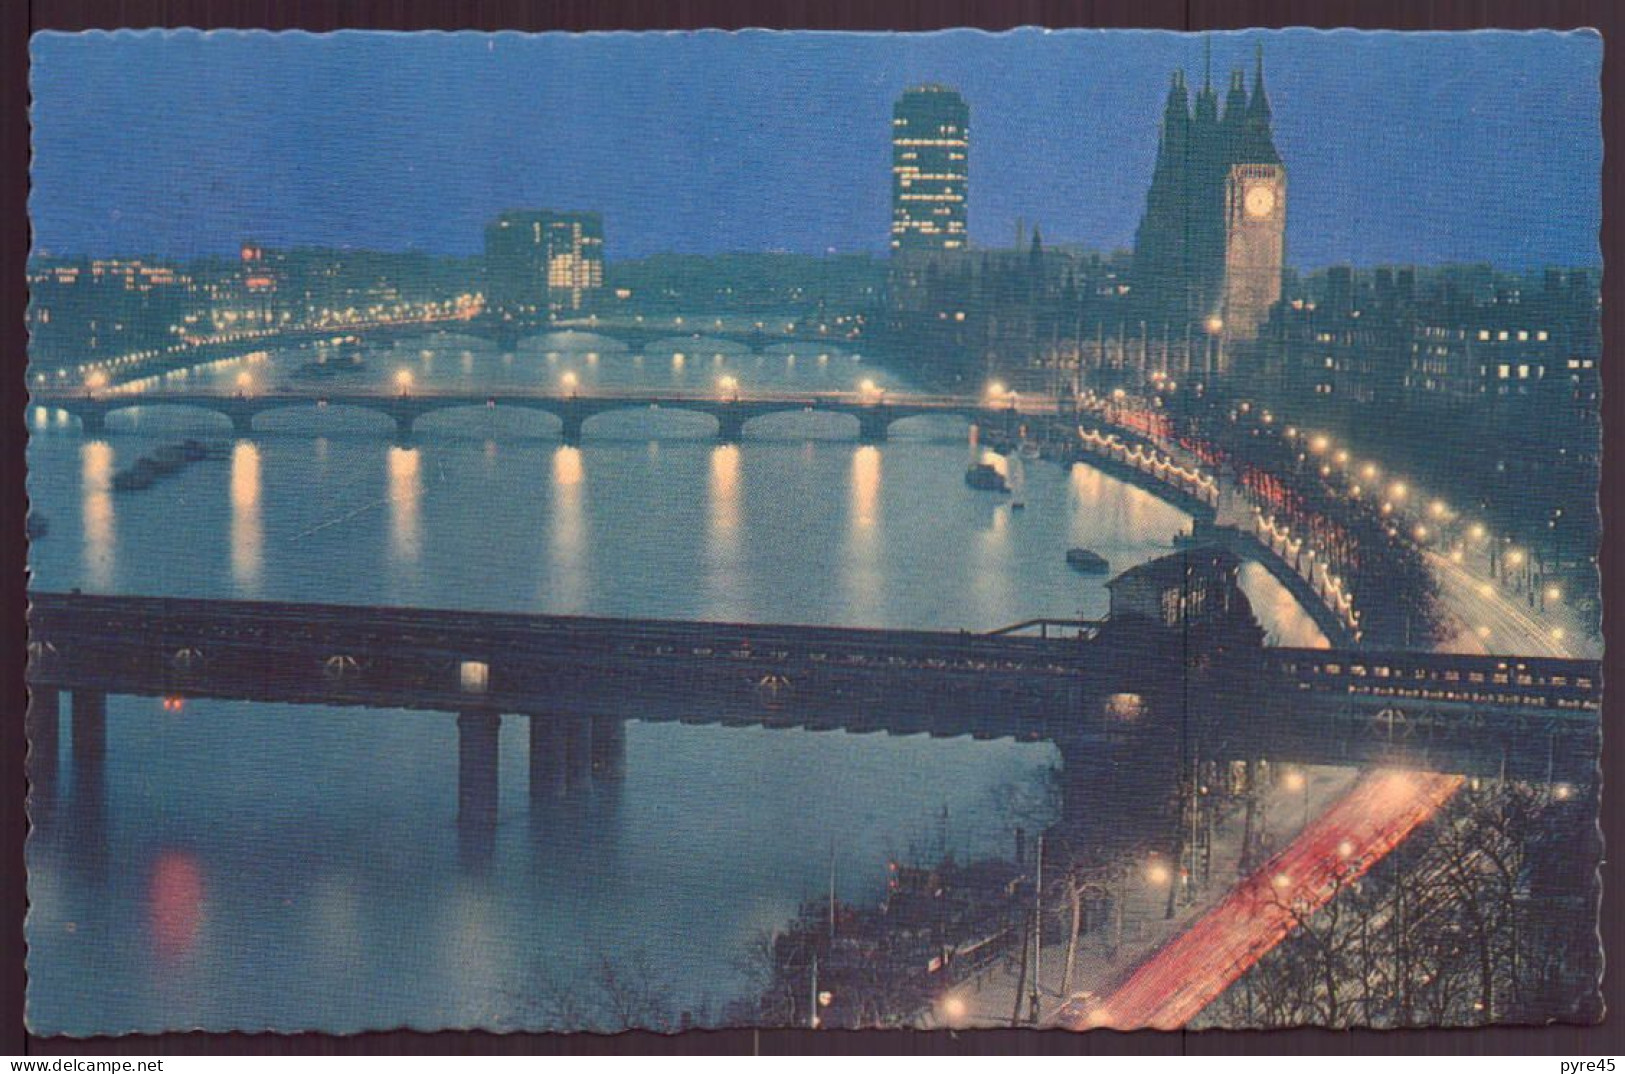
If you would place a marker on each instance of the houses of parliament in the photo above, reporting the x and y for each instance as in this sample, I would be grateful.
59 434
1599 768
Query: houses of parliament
1209 249
1205 271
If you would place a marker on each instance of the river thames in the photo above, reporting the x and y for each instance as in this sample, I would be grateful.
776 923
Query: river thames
256 866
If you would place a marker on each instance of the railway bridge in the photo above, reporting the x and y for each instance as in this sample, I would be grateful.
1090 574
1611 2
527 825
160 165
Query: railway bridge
1090 687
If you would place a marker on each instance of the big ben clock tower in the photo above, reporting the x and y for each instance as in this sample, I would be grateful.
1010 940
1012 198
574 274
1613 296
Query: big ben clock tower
1254 223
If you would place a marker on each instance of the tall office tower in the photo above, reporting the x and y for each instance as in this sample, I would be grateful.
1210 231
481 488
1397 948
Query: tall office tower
930 170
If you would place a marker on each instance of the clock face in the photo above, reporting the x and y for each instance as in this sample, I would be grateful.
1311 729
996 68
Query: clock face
1260 200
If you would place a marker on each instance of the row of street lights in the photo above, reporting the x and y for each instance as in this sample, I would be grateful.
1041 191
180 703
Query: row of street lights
1446 523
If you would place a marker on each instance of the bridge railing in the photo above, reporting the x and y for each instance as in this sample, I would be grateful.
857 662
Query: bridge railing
1151 462
1080 628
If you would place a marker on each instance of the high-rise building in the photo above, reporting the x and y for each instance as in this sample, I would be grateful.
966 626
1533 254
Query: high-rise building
539 261
1210 249
930 170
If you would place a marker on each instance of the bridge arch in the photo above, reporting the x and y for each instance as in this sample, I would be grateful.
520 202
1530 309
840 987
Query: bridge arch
448 336
653 422
934 425
298 415
500 418
693 347
136 416
804 423
809 348
573 341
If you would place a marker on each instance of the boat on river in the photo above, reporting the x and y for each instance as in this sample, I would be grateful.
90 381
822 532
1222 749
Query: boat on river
986 478
140 476
1087 562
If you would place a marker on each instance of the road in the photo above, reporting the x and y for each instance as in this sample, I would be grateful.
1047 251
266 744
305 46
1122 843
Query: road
1495 622
1181 978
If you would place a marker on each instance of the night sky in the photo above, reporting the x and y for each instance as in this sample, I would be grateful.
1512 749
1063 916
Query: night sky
1422 148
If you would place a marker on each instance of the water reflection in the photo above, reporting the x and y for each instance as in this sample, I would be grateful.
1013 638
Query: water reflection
569 544
722 550
405 496
247 532
175 905
101 538
863 575
865 486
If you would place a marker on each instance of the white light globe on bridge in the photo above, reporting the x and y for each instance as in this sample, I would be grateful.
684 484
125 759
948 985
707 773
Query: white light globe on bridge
870 391
569 381
729 387
245 383
403 380
97 379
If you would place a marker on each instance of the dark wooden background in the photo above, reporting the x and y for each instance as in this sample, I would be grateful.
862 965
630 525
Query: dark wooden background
19 19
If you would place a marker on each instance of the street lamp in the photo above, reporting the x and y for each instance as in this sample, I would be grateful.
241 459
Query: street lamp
570 380
244 382
403 381
729 386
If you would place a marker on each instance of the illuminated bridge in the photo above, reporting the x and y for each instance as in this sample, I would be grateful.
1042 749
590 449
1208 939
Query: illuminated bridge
873 412
636 335
1083 686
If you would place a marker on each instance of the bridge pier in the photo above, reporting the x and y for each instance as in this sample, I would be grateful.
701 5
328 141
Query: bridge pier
608 748
873 426
92 422
89 731
44 728
477 735
730 425
403 426
572 424
547 773
575 734
242 422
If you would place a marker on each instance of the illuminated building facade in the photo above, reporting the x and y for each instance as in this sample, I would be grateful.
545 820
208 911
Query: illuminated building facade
539 261
930 170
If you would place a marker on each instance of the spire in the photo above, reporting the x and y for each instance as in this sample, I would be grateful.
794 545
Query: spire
1207 102
1260 142
1259 107
1178 107
1235 102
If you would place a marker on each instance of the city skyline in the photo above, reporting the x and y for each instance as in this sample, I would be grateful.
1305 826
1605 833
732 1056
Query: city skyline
1351 205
